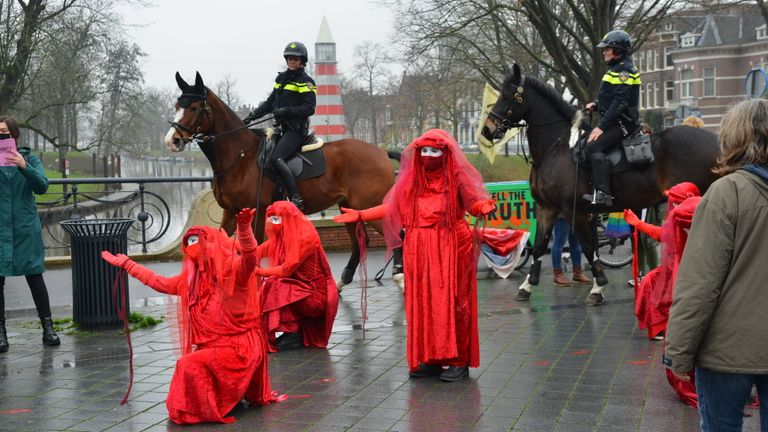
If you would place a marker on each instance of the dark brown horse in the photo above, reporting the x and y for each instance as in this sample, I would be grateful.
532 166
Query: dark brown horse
357 174
681 154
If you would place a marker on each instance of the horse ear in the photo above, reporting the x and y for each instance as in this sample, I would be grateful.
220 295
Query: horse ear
516 72
180 81
198 81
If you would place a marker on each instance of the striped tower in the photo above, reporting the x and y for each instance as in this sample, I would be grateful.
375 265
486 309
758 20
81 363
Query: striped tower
328 121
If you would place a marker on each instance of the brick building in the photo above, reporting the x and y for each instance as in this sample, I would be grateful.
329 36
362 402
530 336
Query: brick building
696 63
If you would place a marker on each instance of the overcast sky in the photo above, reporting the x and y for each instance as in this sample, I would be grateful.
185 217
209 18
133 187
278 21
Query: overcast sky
245 38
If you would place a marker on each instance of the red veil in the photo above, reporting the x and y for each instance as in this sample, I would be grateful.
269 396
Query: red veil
401 201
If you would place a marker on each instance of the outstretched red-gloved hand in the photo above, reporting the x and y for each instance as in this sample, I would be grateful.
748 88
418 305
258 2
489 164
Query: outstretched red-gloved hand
650 230
118 260
483 208
269 271
245 236
351 215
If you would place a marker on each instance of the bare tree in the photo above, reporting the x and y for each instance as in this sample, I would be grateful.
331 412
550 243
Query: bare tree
225 89
370 69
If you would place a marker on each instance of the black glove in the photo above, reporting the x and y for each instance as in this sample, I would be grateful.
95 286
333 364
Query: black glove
249 118
279 112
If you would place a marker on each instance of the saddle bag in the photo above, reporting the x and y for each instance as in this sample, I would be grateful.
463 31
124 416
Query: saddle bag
637 149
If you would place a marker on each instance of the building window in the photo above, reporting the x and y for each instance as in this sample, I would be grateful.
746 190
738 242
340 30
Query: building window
688 40
668 57
649 95
761 33
709 81
640 61
669 90
686 84
325 53
656 60
642 97
669 27
656 94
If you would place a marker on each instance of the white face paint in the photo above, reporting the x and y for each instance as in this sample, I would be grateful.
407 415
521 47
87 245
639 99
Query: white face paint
172 131
275 220
431 152
192 240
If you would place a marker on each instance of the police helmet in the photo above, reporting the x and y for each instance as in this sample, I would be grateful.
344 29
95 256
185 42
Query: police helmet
616 39
296 49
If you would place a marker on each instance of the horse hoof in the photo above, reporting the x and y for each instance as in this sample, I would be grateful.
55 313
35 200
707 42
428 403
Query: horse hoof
340 285
523 295
399 279
601 279
595 299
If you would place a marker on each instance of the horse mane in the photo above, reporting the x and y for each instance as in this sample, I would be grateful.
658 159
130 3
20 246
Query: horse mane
568 111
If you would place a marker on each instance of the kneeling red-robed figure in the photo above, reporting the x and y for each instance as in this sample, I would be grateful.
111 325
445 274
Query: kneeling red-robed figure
223 348
300 297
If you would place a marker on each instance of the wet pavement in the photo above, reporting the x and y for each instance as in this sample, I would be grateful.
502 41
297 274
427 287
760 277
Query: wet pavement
553 364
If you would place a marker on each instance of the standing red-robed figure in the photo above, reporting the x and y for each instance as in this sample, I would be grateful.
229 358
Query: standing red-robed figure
223 349
436 186
299 297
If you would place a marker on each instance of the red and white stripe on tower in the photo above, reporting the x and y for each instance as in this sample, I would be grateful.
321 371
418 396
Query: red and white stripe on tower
328 121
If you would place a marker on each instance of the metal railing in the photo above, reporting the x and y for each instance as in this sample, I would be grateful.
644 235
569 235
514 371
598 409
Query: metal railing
151 213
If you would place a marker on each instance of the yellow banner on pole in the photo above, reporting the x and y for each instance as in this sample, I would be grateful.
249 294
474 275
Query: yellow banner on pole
487 147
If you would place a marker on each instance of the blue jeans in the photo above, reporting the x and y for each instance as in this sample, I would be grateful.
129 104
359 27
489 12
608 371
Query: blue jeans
722 397
560 233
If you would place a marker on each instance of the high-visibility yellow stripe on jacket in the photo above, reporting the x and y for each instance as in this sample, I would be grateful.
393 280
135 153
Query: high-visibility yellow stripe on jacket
623 77
298 87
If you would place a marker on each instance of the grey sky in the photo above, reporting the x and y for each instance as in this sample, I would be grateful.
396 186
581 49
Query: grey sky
245 38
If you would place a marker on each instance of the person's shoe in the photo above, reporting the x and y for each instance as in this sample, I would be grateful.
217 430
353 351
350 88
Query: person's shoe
560 279
659 337
298 201
3 337
599 198
580 277
289 341
454 373
50 338
424 370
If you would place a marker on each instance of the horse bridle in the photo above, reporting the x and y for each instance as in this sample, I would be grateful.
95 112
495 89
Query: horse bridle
195 130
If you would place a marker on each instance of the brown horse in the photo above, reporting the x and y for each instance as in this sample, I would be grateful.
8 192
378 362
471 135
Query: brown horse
681 154
357 174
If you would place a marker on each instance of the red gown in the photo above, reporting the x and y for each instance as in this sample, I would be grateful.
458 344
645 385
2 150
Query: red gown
224 355
299 294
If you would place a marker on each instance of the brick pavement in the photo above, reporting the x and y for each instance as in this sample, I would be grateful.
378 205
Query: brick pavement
551 365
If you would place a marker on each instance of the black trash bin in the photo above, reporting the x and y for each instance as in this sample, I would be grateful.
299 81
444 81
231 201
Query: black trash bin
93 278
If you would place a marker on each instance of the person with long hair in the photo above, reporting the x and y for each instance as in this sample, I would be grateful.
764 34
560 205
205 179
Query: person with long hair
21 236
719 307
299 297
218 321
435 188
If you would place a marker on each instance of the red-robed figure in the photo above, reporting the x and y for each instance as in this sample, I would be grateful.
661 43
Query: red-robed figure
436 186
299 297
223 349
653 297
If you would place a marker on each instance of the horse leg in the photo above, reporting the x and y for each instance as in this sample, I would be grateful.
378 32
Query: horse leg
586 230
354 260
397 267
228 222
545 220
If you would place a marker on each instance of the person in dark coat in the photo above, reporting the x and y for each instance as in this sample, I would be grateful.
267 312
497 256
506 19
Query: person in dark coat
21 238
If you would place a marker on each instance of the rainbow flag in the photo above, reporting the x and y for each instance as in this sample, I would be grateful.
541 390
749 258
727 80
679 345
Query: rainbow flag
616 227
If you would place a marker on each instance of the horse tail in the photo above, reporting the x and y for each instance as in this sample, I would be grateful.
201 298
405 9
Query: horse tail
393 155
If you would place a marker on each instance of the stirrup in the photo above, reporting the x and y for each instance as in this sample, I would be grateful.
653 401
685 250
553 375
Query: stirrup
298 202
598 197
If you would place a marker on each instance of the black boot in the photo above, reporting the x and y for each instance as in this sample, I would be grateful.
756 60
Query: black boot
50 338
289 341
3 337
282 169
601 180
455 373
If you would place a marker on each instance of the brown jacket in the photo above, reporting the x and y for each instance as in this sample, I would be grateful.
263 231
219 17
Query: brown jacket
719 314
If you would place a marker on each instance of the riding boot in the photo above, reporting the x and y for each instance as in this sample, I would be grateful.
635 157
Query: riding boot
601 180
289 181
560 279
3 337
50 338
579 276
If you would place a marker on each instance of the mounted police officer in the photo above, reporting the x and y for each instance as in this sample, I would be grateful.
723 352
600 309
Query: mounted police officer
291 102
617 101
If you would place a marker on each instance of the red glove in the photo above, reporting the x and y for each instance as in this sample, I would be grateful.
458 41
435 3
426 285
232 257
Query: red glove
118 260
631 217
482 207
352 215
245 216
270 271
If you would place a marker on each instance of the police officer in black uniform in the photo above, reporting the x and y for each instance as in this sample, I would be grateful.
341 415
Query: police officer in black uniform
617 101
291 102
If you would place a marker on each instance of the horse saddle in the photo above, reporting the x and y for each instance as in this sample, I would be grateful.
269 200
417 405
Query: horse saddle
634 152
308 162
